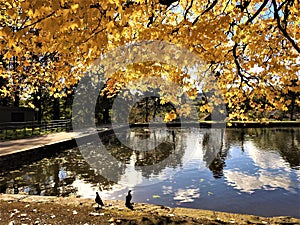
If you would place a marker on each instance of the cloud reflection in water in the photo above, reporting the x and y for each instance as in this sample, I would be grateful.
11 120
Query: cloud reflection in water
273 172
187 195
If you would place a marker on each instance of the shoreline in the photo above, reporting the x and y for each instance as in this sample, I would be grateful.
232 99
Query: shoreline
29 209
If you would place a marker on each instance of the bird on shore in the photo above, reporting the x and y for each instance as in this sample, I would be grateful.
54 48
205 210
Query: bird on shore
98 200
128 203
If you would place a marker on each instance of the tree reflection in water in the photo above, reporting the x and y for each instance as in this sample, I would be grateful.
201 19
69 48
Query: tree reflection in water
285 141
217 142
166 151
215 151
57 175
53 176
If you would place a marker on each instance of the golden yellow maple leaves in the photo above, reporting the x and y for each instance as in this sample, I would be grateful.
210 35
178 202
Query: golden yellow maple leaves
229 36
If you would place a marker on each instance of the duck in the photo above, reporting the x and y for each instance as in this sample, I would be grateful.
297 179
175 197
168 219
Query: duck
128 203
98 200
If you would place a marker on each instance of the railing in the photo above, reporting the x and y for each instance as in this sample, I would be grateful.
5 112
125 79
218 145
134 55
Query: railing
13 130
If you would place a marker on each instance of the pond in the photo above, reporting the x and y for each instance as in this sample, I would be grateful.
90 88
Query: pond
251 171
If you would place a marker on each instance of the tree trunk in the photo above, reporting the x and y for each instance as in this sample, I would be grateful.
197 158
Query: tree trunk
56 110
38 105
292 108
147 110
17 99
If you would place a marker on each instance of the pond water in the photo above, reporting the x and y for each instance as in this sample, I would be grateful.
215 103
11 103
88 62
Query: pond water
252 171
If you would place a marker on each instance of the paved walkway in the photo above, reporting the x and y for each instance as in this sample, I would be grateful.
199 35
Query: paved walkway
14 146
20 145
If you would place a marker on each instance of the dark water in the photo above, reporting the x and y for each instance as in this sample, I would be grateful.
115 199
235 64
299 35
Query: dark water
253 171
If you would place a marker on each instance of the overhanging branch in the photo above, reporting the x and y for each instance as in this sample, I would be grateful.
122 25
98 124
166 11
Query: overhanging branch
282 29
257 12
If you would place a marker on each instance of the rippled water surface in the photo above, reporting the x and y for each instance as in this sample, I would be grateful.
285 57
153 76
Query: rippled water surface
253 171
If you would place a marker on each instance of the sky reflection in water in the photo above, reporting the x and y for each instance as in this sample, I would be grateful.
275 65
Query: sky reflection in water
253 171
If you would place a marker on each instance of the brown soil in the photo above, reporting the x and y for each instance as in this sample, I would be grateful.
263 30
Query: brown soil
24 209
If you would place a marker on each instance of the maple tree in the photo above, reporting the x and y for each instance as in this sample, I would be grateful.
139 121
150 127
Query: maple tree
251 48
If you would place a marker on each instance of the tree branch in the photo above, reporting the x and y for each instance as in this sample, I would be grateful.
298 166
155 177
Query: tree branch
167 2
257 12
39 20
205 11
283 30
238 66
187 10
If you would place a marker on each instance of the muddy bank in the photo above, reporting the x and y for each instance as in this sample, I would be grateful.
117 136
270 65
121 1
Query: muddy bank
25 209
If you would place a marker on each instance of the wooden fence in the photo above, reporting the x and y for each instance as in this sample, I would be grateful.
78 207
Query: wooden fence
13 130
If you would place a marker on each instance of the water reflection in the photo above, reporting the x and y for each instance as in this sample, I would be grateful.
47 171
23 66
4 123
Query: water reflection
274 152
285 141
54 176
215 151
219 169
